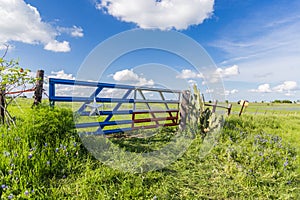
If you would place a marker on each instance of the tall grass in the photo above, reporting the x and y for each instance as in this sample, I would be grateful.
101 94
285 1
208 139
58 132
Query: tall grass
43 158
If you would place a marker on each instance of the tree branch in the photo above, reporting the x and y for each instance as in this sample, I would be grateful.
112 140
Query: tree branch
6 50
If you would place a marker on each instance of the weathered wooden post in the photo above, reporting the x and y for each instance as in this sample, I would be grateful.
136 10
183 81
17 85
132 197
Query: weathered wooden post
38 92
242 108
2 106
184 108
215 106
244 104
229 109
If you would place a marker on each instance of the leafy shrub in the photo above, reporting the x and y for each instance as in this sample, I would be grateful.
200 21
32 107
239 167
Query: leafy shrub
51 125
42 149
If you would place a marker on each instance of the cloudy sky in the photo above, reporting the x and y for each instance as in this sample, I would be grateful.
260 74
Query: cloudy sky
255 44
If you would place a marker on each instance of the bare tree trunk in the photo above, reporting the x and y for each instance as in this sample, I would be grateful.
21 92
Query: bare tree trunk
2 106
38 93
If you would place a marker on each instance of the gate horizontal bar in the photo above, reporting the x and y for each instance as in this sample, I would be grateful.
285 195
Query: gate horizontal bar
123 130
154 126
107 85
107 132
153 119
97 124
153 111
119 112
109 100
128 112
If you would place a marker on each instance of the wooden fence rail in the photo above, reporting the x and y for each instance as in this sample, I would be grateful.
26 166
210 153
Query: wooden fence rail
215 106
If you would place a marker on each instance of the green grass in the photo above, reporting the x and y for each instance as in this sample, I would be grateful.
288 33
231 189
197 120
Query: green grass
268 109
256 157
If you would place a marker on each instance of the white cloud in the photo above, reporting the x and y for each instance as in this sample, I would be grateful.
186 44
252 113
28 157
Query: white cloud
264 88
229 71
58 46
73 31
67 90
61 75
213 77
129 77
286 86
290 94
22 22
187 73
192 82
209 91
163 14
77 32
229 92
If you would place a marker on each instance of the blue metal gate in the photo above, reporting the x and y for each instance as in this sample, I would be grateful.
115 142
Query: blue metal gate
140 111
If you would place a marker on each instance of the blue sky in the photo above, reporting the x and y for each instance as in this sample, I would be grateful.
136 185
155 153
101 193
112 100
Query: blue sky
255 44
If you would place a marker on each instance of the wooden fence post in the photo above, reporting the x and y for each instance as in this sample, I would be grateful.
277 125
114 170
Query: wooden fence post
242 108
2 106
229 109
38 93
184 109
214 106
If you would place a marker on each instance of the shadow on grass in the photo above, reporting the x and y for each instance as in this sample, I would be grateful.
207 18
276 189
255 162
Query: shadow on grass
144 141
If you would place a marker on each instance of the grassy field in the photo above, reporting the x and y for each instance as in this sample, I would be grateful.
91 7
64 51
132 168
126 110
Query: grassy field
256 157
268 109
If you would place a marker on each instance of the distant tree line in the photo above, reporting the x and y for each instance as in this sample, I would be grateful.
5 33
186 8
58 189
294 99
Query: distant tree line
282 101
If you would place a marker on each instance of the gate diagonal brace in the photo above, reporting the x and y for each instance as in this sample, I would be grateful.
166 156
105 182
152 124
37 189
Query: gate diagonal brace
94 94
167 107
115 109
153 115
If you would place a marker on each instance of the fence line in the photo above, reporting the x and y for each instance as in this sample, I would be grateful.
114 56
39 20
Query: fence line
215 106
265 112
